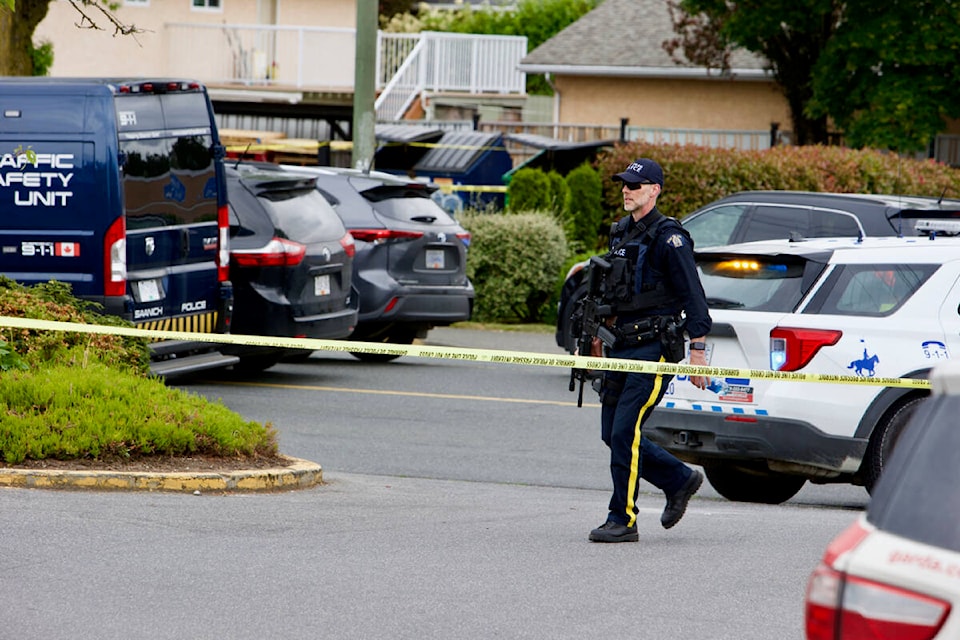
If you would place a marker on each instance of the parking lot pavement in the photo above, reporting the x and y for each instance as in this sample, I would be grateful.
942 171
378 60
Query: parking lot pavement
388 557
503 340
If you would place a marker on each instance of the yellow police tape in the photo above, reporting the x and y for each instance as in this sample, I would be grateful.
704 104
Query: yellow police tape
465 354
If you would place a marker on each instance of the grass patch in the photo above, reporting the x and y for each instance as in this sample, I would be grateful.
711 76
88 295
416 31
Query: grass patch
66 395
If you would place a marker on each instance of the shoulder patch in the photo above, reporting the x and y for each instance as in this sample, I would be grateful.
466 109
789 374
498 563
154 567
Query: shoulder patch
675 240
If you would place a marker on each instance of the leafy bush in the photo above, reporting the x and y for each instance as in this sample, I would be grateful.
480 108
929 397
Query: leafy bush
71 395
514 263
558 198
585 209
529 190
54 301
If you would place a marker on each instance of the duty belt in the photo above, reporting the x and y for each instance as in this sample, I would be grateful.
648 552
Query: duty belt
641 330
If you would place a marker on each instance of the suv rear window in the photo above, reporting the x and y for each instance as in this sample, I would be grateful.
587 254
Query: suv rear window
754 283
774 221
302 214
921 501
405 202
869 290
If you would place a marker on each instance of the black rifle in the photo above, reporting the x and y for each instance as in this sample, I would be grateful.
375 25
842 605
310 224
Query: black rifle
589 320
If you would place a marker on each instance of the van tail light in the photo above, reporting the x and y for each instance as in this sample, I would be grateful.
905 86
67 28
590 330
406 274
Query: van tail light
844 607
793 349
381 236
464 238
279 252
115 259
348 245
223 244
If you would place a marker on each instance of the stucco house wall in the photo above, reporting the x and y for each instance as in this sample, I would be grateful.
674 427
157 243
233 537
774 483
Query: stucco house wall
671 103
89 52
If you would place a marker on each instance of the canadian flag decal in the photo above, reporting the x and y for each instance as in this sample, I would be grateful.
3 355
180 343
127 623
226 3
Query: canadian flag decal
67 249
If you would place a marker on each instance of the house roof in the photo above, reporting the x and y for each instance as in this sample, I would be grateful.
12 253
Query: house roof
625 38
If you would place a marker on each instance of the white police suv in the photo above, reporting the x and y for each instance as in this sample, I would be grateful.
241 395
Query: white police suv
869 308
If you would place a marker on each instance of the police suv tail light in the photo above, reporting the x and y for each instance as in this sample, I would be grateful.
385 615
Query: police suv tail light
115 259
792 349
349 246
279 252
223 248
844 607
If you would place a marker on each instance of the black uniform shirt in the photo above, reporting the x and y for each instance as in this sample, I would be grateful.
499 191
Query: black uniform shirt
668 260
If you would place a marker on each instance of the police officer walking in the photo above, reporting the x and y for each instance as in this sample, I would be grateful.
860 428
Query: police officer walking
660 297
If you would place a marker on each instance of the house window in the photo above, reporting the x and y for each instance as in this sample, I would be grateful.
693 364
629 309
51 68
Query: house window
207 5
136 3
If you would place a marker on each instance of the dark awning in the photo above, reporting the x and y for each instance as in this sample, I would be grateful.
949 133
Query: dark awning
396 150
556 155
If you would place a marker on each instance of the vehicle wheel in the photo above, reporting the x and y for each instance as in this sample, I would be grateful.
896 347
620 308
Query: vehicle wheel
883 440
255 364
395 336
752 484
570 337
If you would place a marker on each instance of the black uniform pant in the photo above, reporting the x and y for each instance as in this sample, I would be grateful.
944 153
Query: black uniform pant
628 400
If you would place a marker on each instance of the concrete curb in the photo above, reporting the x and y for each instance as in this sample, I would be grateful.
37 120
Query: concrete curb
299 474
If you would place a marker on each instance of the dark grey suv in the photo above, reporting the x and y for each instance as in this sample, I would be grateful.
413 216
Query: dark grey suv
291 262
770 215
410 264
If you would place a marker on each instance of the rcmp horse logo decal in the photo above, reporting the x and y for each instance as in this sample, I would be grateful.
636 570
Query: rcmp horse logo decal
865 366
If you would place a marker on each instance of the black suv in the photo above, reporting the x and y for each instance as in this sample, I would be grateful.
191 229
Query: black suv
410 267
770 215
291 262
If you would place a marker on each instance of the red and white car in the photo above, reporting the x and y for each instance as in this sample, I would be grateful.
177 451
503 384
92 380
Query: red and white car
895 572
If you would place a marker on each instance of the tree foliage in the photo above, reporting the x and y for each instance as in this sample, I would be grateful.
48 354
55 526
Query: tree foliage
790 34
884 73
889 77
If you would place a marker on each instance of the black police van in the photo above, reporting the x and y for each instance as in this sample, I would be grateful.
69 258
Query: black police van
117 187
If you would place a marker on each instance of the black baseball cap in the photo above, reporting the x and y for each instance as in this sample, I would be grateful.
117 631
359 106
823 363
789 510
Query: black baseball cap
641 171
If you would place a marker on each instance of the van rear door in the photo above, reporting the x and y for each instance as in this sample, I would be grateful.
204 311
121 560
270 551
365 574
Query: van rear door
170 188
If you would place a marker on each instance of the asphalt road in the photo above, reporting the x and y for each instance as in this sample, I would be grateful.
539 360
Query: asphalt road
457 502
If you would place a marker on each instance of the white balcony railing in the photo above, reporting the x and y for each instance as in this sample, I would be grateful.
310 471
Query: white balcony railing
323 58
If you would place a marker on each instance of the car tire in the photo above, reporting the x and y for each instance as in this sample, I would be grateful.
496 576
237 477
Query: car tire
884 439
752 483
401 335
566 319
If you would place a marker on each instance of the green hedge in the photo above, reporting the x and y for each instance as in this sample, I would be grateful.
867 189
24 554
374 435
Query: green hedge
512 275
513 262
695 176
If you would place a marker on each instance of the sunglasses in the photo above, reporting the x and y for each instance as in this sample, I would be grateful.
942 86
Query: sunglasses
633 186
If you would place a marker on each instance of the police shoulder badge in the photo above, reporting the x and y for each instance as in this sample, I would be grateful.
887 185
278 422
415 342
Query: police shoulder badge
675 241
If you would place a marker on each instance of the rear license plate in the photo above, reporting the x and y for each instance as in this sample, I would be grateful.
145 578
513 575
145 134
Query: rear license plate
149 290
435 259
321 285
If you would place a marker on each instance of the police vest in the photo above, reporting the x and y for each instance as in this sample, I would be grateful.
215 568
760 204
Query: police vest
623 287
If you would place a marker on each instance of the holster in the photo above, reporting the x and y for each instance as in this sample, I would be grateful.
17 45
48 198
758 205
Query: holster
671 339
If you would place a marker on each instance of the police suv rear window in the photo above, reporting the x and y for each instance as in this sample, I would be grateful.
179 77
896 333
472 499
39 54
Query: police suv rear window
752 283
869 290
